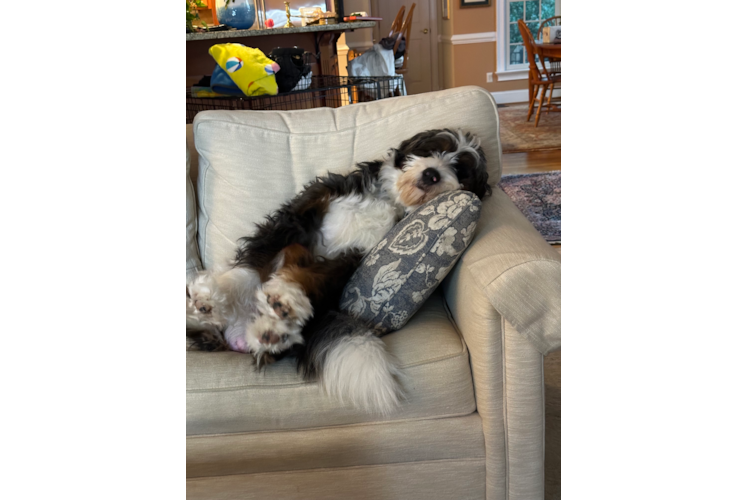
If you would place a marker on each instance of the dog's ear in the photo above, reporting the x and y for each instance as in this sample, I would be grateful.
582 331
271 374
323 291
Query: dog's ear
482 188
400 156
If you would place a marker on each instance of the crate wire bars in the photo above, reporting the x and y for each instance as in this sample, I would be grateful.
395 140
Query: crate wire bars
324 91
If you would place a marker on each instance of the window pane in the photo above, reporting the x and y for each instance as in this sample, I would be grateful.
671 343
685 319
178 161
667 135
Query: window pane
514 36
549 8
532 11
534 29
516 11
516 54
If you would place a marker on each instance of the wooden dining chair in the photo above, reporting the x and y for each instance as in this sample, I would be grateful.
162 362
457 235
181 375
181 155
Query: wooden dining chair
404 33
537 81
397 23
554 66
551 21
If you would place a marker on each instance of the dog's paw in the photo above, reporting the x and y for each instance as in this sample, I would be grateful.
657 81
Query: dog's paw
280 308
199 297
200 294
287 300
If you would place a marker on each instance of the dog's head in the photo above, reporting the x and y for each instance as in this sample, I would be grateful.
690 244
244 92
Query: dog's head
436 161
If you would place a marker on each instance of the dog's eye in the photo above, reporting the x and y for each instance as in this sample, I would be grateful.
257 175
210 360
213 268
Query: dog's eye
284 337
285 314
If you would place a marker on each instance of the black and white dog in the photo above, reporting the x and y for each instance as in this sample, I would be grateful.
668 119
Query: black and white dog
281 294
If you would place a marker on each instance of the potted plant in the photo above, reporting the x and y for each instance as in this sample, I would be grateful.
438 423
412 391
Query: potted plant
192 14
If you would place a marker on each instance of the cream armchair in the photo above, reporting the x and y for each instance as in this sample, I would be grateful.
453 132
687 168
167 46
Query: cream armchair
472 426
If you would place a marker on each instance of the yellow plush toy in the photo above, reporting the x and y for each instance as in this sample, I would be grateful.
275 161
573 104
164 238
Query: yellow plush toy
250 70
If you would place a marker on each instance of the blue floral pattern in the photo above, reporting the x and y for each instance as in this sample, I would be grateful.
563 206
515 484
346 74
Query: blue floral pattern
404 269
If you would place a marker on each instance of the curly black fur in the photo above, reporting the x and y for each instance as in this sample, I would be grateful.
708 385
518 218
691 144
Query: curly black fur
299 220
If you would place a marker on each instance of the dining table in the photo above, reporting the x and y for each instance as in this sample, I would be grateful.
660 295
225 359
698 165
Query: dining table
551 50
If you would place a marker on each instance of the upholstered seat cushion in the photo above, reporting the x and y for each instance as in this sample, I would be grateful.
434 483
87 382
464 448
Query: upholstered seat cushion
226 394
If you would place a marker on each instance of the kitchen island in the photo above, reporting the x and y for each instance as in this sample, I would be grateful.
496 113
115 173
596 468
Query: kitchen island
320 40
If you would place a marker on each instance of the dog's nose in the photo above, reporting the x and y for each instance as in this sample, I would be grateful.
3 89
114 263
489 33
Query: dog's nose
431 176
269 338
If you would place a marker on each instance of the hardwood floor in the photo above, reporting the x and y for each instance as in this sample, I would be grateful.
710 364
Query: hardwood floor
531 162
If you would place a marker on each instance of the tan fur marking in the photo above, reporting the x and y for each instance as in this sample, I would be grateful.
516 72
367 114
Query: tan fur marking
410 195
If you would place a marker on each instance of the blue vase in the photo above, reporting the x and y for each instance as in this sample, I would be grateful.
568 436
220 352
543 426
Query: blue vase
239 14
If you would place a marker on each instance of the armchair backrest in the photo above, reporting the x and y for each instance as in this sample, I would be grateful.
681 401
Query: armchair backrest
250 162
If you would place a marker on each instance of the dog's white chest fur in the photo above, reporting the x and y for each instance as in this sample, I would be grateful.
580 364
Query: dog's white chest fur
355 221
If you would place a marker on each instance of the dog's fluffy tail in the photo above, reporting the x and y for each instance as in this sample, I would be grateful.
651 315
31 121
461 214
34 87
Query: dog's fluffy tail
351 363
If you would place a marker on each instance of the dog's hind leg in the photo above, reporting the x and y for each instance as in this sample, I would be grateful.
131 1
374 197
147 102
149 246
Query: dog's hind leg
219 296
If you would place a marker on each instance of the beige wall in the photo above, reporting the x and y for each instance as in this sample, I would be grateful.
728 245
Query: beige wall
473 19
468 64
472 62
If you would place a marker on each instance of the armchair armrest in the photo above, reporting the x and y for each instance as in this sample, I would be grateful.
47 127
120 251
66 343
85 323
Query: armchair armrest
504 297
518 272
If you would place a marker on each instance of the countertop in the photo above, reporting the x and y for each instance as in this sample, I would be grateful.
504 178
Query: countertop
218 35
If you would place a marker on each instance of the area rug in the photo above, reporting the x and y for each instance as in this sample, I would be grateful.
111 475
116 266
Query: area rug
538 196
519 135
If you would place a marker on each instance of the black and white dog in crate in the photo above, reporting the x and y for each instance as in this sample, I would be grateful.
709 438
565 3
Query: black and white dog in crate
281 293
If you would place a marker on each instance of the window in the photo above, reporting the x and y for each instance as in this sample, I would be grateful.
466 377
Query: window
532 12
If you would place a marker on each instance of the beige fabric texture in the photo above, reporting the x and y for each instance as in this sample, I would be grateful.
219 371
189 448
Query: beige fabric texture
434 480
193 258
194 155
503 295
343 446
505 362
517 271
226 394
252 162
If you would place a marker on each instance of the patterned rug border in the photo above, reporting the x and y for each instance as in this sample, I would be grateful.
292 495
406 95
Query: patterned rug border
532 174
531 150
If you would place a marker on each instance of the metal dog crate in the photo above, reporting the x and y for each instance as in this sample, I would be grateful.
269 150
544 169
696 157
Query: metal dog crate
323 91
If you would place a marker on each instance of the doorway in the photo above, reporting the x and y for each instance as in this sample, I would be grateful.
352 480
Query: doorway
423 59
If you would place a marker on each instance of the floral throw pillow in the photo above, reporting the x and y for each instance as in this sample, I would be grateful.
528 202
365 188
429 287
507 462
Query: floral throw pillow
402 271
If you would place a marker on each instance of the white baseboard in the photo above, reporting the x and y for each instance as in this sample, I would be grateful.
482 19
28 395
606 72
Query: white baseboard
512 96
468 38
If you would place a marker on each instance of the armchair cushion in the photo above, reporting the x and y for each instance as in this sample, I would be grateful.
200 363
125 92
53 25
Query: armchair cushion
402 271
226 393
